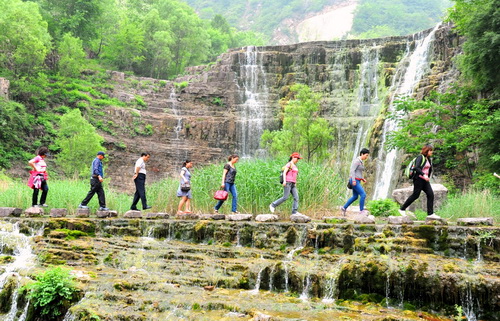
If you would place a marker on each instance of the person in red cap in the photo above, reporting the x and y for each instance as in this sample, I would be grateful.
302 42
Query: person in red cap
290 171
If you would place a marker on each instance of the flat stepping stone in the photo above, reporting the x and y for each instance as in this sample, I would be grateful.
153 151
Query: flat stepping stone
364 219
34 212
152 216
239 217
475 221
82 212
399 220
300 218
435 221
132 214
187 216
10 211
58 212
214 217
267 218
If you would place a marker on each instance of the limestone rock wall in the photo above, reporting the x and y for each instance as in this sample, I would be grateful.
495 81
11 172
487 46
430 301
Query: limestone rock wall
223 108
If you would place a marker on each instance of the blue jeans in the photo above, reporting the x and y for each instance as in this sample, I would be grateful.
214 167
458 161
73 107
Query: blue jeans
289 188
231 188
357 190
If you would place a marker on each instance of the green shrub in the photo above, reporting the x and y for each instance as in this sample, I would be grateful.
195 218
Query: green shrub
385 207
53 292
180 85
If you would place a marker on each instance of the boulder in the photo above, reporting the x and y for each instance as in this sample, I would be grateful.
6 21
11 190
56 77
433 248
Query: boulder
33 212
132 214
239 217
399 220
10 211
475 221
58 212
433 221
266 218
82 212
400 195
300 218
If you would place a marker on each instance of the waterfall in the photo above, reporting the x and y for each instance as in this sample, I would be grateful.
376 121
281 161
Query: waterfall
306 286
418 65
175 109
23 260
252 111
331 283
257 282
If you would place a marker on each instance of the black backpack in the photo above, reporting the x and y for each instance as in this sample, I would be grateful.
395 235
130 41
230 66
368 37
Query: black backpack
281 174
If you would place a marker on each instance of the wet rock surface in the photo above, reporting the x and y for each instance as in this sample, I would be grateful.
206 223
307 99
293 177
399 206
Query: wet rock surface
163 269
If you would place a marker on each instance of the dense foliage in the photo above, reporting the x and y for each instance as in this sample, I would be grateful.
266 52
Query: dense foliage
52 293
382 18
303 130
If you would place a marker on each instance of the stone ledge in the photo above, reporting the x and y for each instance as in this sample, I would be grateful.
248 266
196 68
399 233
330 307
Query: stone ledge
399 220
132 214
106 214
300 218
82 212
152 216
214 217
33 212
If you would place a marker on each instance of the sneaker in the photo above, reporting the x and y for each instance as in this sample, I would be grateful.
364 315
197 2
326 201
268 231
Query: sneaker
43 205
271 208
147 207
216 211
82 206
402 213
234 213
103 209
36 205
434 216
343 210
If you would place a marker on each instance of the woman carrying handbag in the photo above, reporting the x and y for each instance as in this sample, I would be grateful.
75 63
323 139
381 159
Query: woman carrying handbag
228 178
184 190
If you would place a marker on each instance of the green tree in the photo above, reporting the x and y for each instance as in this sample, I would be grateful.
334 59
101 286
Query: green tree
77 17
72 56
24 40
77 142
303 129
479 22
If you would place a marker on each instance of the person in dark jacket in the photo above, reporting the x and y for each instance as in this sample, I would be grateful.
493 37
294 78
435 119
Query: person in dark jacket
96 178
421 182
228 178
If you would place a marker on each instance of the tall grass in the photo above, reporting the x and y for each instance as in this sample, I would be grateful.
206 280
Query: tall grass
320 190
472 203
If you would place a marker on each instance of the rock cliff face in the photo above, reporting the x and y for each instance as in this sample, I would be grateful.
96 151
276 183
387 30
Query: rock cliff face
224 108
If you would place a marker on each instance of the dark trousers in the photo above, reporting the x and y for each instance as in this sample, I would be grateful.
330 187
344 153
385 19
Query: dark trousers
95 187
420 185
140 191
43 198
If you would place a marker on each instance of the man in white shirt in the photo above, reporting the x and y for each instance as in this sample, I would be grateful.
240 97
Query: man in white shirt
140 182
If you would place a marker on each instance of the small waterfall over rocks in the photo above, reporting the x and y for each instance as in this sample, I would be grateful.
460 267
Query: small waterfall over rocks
403 86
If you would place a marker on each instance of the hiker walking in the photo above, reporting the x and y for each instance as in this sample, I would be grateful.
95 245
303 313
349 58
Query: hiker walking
184 190
421 182
355 179
96 178
228 178
140 182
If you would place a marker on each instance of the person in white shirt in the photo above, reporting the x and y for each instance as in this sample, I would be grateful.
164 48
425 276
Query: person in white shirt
140 182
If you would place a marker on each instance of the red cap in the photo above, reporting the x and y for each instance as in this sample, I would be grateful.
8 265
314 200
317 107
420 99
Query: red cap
296 155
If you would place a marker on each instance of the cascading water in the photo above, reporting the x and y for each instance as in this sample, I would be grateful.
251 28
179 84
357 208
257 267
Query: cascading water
253 110
23 260
412 72
331 283
175 109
